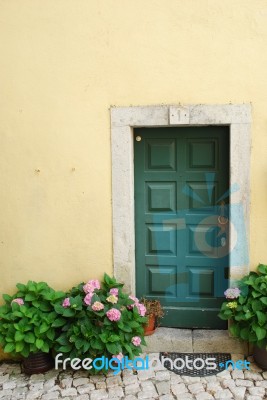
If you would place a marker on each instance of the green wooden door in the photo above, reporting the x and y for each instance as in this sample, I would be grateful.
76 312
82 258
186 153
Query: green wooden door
181 222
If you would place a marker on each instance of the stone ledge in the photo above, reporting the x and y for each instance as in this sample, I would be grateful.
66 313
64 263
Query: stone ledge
197 341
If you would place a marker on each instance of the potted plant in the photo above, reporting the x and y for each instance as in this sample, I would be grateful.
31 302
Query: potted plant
246 308
154 312
98 319
27 325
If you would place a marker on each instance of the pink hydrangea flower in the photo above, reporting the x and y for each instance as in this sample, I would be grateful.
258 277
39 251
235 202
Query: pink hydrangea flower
141 309
136 341
97 306
135 299
114 291
112 299
19 301
113 314
118 356
232 293
136 302
88 298
91 286
66 302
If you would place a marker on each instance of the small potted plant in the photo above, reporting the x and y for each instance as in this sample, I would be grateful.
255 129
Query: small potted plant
154 312
28 325
246 309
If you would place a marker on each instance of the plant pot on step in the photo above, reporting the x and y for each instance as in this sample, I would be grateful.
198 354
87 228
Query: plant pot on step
260 357
150 327
37 363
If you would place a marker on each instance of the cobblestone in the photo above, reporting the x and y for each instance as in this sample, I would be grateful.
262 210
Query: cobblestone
132 389
84 389
163 387
244 382
256 391
115 392
50 396
196 388
179 388
158 384
238 392
223 394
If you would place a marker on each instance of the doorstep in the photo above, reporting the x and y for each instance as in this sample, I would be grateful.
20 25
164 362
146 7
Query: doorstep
194 341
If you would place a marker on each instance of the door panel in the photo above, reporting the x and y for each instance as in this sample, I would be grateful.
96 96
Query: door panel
181 259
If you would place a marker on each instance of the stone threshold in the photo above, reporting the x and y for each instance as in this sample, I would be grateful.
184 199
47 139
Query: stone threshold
194 341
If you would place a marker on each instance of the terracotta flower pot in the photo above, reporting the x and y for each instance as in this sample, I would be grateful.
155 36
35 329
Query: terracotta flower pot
260 357
150 327
37 363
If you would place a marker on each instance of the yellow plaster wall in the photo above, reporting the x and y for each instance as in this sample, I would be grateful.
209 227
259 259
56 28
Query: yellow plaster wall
63 64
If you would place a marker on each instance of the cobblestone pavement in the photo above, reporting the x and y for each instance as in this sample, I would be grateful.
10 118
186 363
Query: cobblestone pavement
157 383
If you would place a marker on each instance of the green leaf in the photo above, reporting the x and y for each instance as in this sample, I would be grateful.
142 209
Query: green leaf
44 306
21 287
19 336
39 343
43 328
45 348
29 337
36 303
129 349
255 294
41 286
19 346
244 333
65 349
133 324
126 328
260 332
256 305
113 338
29 313
97 344
113 348
50 334
30 297
59 309
31 286
58 322
7 298
235 330
79 343
104 337
25 351
264 300
59 295
107 279
68 312
18 314
242 299
262 269
9 348
15 307
86 347
262 318
63 340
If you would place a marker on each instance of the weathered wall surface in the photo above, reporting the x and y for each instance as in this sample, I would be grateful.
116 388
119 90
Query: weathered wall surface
63 64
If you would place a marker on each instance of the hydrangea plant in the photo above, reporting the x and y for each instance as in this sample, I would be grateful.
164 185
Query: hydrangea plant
99 319
246 307
27 319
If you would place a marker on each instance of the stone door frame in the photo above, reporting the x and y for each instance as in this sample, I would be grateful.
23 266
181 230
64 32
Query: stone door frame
123 122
